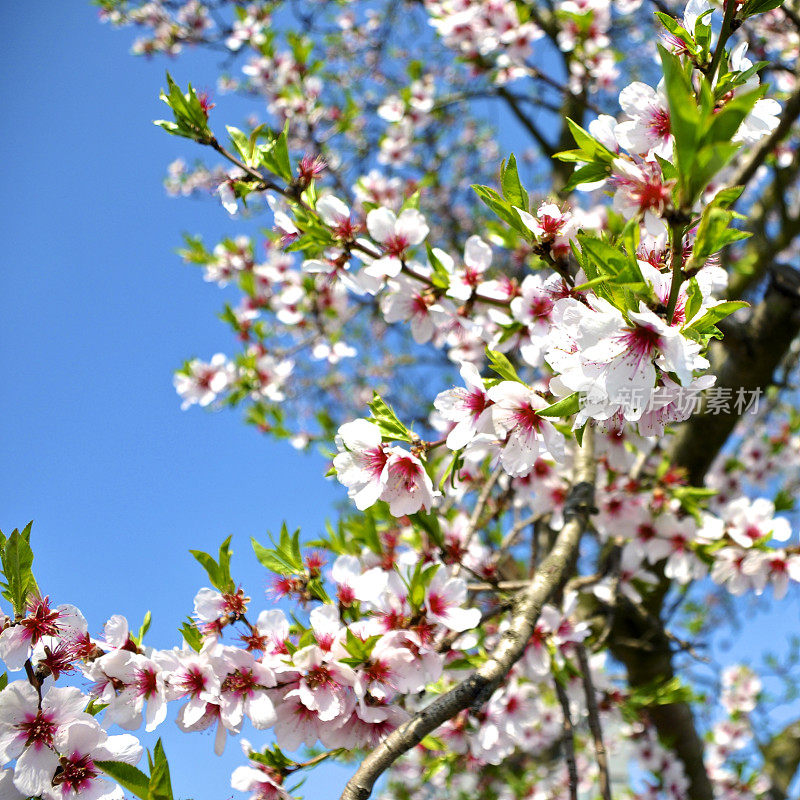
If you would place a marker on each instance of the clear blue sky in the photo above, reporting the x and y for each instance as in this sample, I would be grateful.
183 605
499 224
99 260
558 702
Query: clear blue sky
97 312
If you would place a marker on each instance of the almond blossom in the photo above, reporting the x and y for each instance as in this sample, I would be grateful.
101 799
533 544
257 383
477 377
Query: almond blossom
527 435
469 408
397 234
444 600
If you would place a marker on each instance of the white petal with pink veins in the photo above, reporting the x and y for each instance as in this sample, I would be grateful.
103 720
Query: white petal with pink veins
122 747
332 210
35 769
477 254
64 703
115 631
208 604
260 711
411 226
380 224
14 647
460 619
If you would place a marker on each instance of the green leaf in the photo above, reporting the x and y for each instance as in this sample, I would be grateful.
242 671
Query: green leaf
694 299
191 635
275 156
713 234
513 190
440 276
430 524
502 208
145 626
273 560
678 30
684 114
591 148
753 7
17 561
385 418
502 366
708 161
130 778
623 281
729 118
218 573
588 174
190 118
160 786
565 407
713 315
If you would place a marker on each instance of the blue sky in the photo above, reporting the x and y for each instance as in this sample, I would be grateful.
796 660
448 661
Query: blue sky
97 312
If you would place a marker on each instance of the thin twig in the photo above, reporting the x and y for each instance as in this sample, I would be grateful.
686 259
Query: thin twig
594 722
568 740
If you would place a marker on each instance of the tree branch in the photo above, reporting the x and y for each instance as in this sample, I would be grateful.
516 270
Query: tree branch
568 740
747 365
594 722
782 759
478 687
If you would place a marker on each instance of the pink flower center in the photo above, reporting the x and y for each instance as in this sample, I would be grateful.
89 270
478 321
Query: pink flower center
527 418
659 123
193 681
641 342
375 460
41 620
437 604
551 225
396 245
407 471
38 730
318 677
346 595
476 402
648 193
646 532
752 532
76 773
147 682
419 305
540 306
378 671
242 682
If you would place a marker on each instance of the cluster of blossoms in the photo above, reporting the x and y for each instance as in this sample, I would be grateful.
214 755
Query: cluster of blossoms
188 23
486 33
407 117
337 680
184 181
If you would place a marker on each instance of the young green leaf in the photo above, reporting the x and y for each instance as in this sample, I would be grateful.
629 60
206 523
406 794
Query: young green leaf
385 418
130 778
502 366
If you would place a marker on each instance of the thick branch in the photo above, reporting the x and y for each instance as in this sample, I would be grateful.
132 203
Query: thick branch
479 686
782 760
653 665
747 365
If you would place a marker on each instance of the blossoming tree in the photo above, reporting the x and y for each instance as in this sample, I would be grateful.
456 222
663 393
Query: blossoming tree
558 388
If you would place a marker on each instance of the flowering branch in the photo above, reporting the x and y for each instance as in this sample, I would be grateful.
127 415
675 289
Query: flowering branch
476 689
